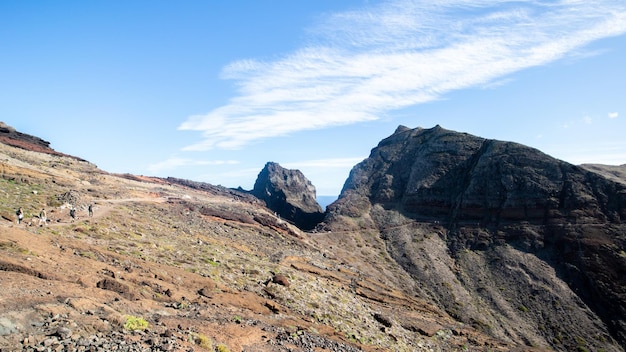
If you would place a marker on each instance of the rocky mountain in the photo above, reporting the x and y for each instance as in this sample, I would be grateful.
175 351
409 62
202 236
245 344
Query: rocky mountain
518 244
290 194
178 265
440 241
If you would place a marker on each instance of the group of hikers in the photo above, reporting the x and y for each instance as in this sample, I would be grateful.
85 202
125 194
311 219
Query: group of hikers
43 219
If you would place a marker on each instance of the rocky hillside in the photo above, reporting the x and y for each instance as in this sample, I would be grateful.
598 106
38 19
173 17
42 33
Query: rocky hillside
519 245
178 265
440 241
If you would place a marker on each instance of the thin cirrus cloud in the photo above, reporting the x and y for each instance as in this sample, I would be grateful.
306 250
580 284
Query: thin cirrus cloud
361 64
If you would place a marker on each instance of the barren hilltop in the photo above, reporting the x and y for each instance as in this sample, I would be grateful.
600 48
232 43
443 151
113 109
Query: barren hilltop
439 242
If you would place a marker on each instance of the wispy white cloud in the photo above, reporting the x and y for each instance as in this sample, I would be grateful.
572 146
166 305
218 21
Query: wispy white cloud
360 64
174 163
613 115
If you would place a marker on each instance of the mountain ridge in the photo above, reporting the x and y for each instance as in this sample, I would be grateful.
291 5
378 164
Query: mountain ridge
496 202
207 265
178 265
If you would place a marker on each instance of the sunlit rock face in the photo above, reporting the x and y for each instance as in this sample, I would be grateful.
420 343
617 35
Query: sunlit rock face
289 194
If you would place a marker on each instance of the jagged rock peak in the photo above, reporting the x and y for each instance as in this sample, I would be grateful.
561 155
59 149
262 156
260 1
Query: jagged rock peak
289 194
401 129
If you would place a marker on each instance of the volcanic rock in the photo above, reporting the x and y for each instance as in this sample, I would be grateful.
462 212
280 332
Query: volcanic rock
500 235
9 136
456 177
289 194
281 280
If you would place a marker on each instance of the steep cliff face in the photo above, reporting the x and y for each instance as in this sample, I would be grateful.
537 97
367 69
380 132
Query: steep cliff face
457 177
289 194
504 237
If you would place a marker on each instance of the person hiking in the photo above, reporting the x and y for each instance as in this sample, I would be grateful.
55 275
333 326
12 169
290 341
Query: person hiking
90 209
20 215
42 217
73 213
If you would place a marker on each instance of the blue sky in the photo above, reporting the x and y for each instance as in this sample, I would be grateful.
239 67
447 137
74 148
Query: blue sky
212 90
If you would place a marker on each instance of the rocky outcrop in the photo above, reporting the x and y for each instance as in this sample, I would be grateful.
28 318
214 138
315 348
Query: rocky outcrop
9 136
456 177
504 237
289 194
9 133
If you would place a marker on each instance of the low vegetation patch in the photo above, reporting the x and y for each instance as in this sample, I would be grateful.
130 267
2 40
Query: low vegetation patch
135 323
202 341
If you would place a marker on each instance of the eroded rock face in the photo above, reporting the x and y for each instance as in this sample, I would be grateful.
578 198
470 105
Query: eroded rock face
457 177
504 237
289 194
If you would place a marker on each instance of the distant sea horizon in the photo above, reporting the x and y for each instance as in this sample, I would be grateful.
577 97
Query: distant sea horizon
324 201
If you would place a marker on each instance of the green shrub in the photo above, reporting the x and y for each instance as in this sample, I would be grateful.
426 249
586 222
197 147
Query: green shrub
203 341
135 323
222 348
